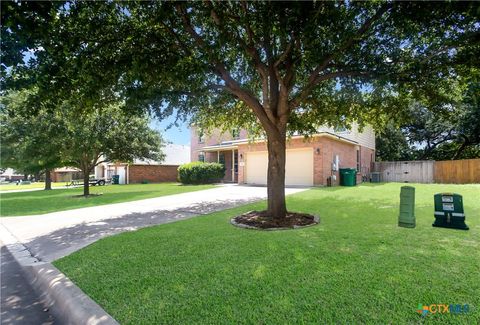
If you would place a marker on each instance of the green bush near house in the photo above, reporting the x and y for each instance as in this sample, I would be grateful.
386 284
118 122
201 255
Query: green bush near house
200 173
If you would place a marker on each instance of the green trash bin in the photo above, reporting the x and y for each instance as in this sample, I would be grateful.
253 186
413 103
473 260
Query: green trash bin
348 176
115 179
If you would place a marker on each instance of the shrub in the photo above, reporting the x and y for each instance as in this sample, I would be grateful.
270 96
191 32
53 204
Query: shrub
200 173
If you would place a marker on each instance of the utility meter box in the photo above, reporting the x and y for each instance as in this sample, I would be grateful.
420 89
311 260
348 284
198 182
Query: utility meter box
449 211
407 207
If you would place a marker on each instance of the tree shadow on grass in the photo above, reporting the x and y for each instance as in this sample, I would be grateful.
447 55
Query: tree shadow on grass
65 241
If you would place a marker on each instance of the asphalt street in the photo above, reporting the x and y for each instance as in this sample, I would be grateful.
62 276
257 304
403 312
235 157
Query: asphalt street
19 303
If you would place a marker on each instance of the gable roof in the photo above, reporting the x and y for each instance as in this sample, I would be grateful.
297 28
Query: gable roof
175 154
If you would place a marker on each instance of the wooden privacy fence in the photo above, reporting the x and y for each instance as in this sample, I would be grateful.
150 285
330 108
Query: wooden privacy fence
429 171
457 171
405 171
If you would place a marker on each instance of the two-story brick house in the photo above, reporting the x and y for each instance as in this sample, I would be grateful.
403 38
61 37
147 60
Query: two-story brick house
309 162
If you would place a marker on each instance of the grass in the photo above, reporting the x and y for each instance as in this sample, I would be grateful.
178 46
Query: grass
357 266
40 202
13 186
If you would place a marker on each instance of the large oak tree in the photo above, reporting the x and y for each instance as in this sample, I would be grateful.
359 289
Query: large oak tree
286 67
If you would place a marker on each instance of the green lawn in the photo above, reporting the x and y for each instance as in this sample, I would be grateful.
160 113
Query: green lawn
40 202
357 266
13 186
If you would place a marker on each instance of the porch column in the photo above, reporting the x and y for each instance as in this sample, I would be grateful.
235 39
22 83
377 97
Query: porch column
218 156
233 165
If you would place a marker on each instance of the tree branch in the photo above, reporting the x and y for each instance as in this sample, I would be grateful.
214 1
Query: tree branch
315 76
331 75
231 84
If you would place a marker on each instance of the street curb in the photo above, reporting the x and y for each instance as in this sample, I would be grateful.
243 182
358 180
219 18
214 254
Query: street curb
67 302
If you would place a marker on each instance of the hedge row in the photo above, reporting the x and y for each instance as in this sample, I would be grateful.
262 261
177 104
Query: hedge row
200 173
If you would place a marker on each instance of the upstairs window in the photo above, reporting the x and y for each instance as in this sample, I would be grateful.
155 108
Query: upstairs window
201 137
341 127
235 134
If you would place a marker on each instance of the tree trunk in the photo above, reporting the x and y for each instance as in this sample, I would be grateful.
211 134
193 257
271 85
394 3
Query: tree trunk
48 180
277 207
462 147
86 184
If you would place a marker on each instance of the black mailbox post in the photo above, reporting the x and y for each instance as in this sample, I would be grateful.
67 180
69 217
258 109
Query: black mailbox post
449 211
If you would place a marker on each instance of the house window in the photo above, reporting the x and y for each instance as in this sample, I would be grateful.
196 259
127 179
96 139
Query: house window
201 157
201 137
341 126
235 134
358 160
221 159
235 162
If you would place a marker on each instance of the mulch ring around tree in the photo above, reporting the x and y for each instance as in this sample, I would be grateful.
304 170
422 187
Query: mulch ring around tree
259 220
80 196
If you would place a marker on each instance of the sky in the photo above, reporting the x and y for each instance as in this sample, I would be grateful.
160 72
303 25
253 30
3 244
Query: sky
175 135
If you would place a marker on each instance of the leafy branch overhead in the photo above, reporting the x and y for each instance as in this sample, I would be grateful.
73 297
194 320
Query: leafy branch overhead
190 55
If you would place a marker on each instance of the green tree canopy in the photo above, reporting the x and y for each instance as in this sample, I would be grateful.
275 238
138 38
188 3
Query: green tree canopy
60 136
106 134
436 134
29 144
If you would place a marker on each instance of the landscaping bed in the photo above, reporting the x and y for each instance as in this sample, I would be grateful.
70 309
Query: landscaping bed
356 266
260 220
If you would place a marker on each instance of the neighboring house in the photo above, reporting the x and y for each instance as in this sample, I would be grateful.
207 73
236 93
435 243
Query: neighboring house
10 175
309 162
146 170
66 174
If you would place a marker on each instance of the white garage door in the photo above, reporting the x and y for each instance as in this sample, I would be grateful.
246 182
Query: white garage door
298 169
121 173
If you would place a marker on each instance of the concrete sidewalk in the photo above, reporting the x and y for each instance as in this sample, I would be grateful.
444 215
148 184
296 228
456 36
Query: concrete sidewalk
54 235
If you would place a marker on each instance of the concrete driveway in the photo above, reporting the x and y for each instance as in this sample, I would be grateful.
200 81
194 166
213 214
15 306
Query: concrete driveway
54 235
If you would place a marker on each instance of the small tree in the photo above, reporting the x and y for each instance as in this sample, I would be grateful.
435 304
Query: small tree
106 134
29 144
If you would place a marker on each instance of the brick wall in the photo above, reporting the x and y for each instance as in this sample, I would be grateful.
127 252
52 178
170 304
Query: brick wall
152 173
65 176
322 165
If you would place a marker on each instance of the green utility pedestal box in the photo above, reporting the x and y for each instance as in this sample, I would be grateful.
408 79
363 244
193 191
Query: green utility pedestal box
407 207
449 211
